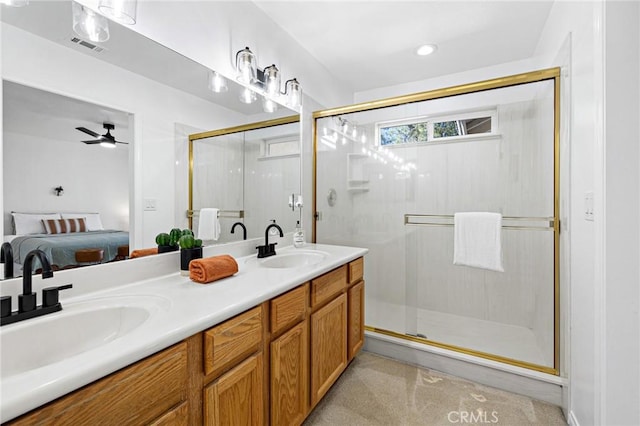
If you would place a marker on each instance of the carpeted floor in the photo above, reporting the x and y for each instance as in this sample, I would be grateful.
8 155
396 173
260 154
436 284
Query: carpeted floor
379 391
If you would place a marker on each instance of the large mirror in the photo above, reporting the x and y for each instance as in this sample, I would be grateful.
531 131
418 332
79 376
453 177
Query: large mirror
131 87
249 174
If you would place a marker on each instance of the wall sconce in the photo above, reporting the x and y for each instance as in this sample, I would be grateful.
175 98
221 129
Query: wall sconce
58 190
267 81
123 11
15 3
217 83
89 24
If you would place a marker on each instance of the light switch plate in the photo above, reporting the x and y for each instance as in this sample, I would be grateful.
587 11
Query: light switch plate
588 206
150 204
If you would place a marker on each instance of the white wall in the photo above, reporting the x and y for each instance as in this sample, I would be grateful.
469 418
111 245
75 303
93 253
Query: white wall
156 109
620 346
604 377
94 179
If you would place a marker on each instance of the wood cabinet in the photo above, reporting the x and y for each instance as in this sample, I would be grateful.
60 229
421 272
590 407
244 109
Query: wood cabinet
270 364
227 344
355 319
236 398
290 376
328 346
138 394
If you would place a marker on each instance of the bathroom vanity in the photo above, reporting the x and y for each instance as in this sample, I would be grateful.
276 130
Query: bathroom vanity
283 336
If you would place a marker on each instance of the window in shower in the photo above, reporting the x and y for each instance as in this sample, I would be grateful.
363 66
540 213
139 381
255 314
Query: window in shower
403 132
462 125
441 128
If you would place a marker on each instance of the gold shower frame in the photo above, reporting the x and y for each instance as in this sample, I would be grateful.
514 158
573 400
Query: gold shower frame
496 83
227 131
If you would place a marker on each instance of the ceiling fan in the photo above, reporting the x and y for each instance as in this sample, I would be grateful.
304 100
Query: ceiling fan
106 140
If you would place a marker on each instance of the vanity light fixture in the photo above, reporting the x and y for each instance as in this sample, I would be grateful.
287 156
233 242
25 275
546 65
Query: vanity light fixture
272 80
426 49
293 91
266 81
217 82
15 3
89 24
123 11
246 66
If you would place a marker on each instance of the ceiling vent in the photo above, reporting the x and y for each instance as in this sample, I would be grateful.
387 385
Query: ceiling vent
86 44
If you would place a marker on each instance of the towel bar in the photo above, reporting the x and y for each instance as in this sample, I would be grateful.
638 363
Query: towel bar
441 220
237 214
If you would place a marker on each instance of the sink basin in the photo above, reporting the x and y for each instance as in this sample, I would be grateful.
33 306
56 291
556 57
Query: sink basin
78 328
293 259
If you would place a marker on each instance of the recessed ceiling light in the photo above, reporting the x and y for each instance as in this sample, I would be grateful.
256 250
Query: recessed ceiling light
426 49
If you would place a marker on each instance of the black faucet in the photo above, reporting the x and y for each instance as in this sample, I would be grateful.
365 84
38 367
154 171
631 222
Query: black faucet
27 300
269 249
244 229
6 257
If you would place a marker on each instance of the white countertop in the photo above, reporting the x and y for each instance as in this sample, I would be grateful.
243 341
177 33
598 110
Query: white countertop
182 308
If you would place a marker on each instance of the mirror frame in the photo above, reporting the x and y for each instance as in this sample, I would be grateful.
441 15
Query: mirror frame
549 74
227 131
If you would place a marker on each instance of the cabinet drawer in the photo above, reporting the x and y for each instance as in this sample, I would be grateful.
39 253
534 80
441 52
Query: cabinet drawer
136 395
227 344
356 270
288 309
328 285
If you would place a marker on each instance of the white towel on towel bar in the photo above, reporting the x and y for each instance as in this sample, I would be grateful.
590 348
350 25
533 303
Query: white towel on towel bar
208 224
478 240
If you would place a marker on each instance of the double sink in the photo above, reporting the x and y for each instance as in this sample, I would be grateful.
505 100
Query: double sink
101 321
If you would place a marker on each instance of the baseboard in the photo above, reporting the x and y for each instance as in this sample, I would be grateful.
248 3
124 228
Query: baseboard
533 384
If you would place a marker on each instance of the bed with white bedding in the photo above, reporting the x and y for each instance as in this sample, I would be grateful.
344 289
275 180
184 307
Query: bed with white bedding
60 235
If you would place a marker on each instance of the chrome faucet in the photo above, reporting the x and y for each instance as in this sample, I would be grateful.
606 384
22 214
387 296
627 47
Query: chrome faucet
6 257
27 307
269 249
244 229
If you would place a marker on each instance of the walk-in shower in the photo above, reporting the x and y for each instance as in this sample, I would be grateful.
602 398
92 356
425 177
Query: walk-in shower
391 175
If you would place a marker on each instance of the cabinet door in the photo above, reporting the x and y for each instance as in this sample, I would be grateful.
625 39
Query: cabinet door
236 398
290 376
328 346
356 319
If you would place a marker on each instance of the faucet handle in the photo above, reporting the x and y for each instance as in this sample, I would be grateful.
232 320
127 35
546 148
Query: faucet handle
50 295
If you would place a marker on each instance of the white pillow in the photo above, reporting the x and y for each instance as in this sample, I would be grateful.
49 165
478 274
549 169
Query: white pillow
92 220
31 223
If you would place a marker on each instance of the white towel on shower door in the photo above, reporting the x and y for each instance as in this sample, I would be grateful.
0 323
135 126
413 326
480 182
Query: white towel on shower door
208 224
478 240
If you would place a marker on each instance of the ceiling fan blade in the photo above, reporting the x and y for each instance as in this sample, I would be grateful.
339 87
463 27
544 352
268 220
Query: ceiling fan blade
124 143
92 142
87 131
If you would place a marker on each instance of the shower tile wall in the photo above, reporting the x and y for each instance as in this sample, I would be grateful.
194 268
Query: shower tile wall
412 285
218 175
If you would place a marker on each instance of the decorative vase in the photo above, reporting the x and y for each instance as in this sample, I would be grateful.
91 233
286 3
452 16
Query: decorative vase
186 256
167 249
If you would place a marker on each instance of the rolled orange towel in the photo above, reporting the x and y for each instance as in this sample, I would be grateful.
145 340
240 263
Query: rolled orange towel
143 252
210 269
